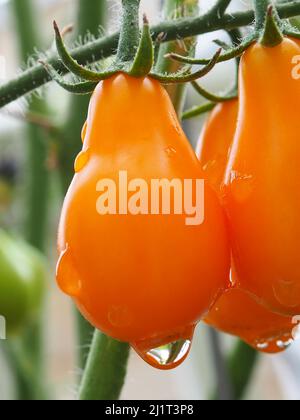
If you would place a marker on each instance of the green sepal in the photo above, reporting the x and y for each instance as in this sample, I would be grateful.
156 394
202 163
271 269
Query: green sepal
198 110
185 77
272 33
82 88
144 58
212 97
228 55
73 66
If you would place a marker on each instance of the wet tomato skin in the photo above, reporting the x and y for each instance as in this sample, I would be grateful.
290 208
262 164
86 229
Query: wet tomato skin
236 312
139 278
262 184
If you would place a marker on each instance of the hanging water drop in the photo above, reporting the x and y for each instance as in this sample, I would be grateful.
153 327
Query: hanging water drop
273 346
167 356
166 353
262 346
81 161
284 344
66 274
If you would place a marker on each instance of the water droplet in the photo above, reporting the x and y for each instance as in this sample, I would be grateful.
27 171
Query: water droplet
167 356
81 161
262 346
66 274
273 345
119 316
287 292
164 354
284 345
83 132
171 151
241 186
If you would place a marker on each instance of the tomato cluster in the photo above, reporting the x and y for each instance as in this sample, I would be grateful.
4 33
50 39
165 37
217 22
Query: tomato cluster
149 279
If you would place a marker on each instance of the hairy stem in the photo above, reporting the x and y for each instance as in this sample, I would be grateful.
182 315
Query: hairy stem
176 9
105 373
260 7
130 33
105 47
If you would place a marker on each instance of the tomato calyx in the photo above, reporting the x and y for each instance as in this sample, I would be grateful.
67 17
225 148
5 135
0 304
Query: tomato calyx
135 57
272 34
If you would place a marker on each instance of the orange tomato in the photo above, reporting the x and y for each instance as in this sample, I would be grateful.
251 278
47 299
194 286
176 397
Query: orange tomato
215 142
262 191
136 277
236 312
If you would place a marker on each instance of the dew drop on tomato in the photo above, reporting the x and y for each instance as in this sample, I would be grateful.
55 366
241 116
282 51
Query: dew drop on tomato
241 186
274 346
81 161
66 275
168 355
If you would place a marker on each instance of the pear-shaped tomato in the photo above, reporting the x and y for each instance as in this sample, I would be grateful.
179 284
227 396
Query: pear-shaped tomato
215 142
262 192
236 312
142 265
22 282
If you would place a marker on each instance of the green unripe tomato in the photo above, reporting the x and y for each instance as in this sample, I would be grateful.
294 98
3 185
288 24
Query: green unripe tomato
22 282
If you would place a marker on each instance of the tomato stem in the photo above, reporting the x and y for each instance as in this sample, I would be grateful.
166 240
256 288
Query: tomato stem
260 8
198 110
105 372
177 9
93 51
130 32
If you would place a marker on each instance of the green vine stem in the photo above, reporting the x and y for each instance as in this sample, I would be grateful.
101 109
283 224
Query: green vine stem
198 110
130 32
105 47
38 174
241 366
176 9
37 190
91 16
221 7
260 8
224 388
105 372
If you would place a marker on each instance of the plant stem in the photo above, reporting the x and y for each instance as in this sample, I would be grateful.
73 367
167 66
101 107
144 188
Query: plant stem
38 174
177 9
130 32
105 373
221 7
241 365
37 188
105 47
260 8
224 385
